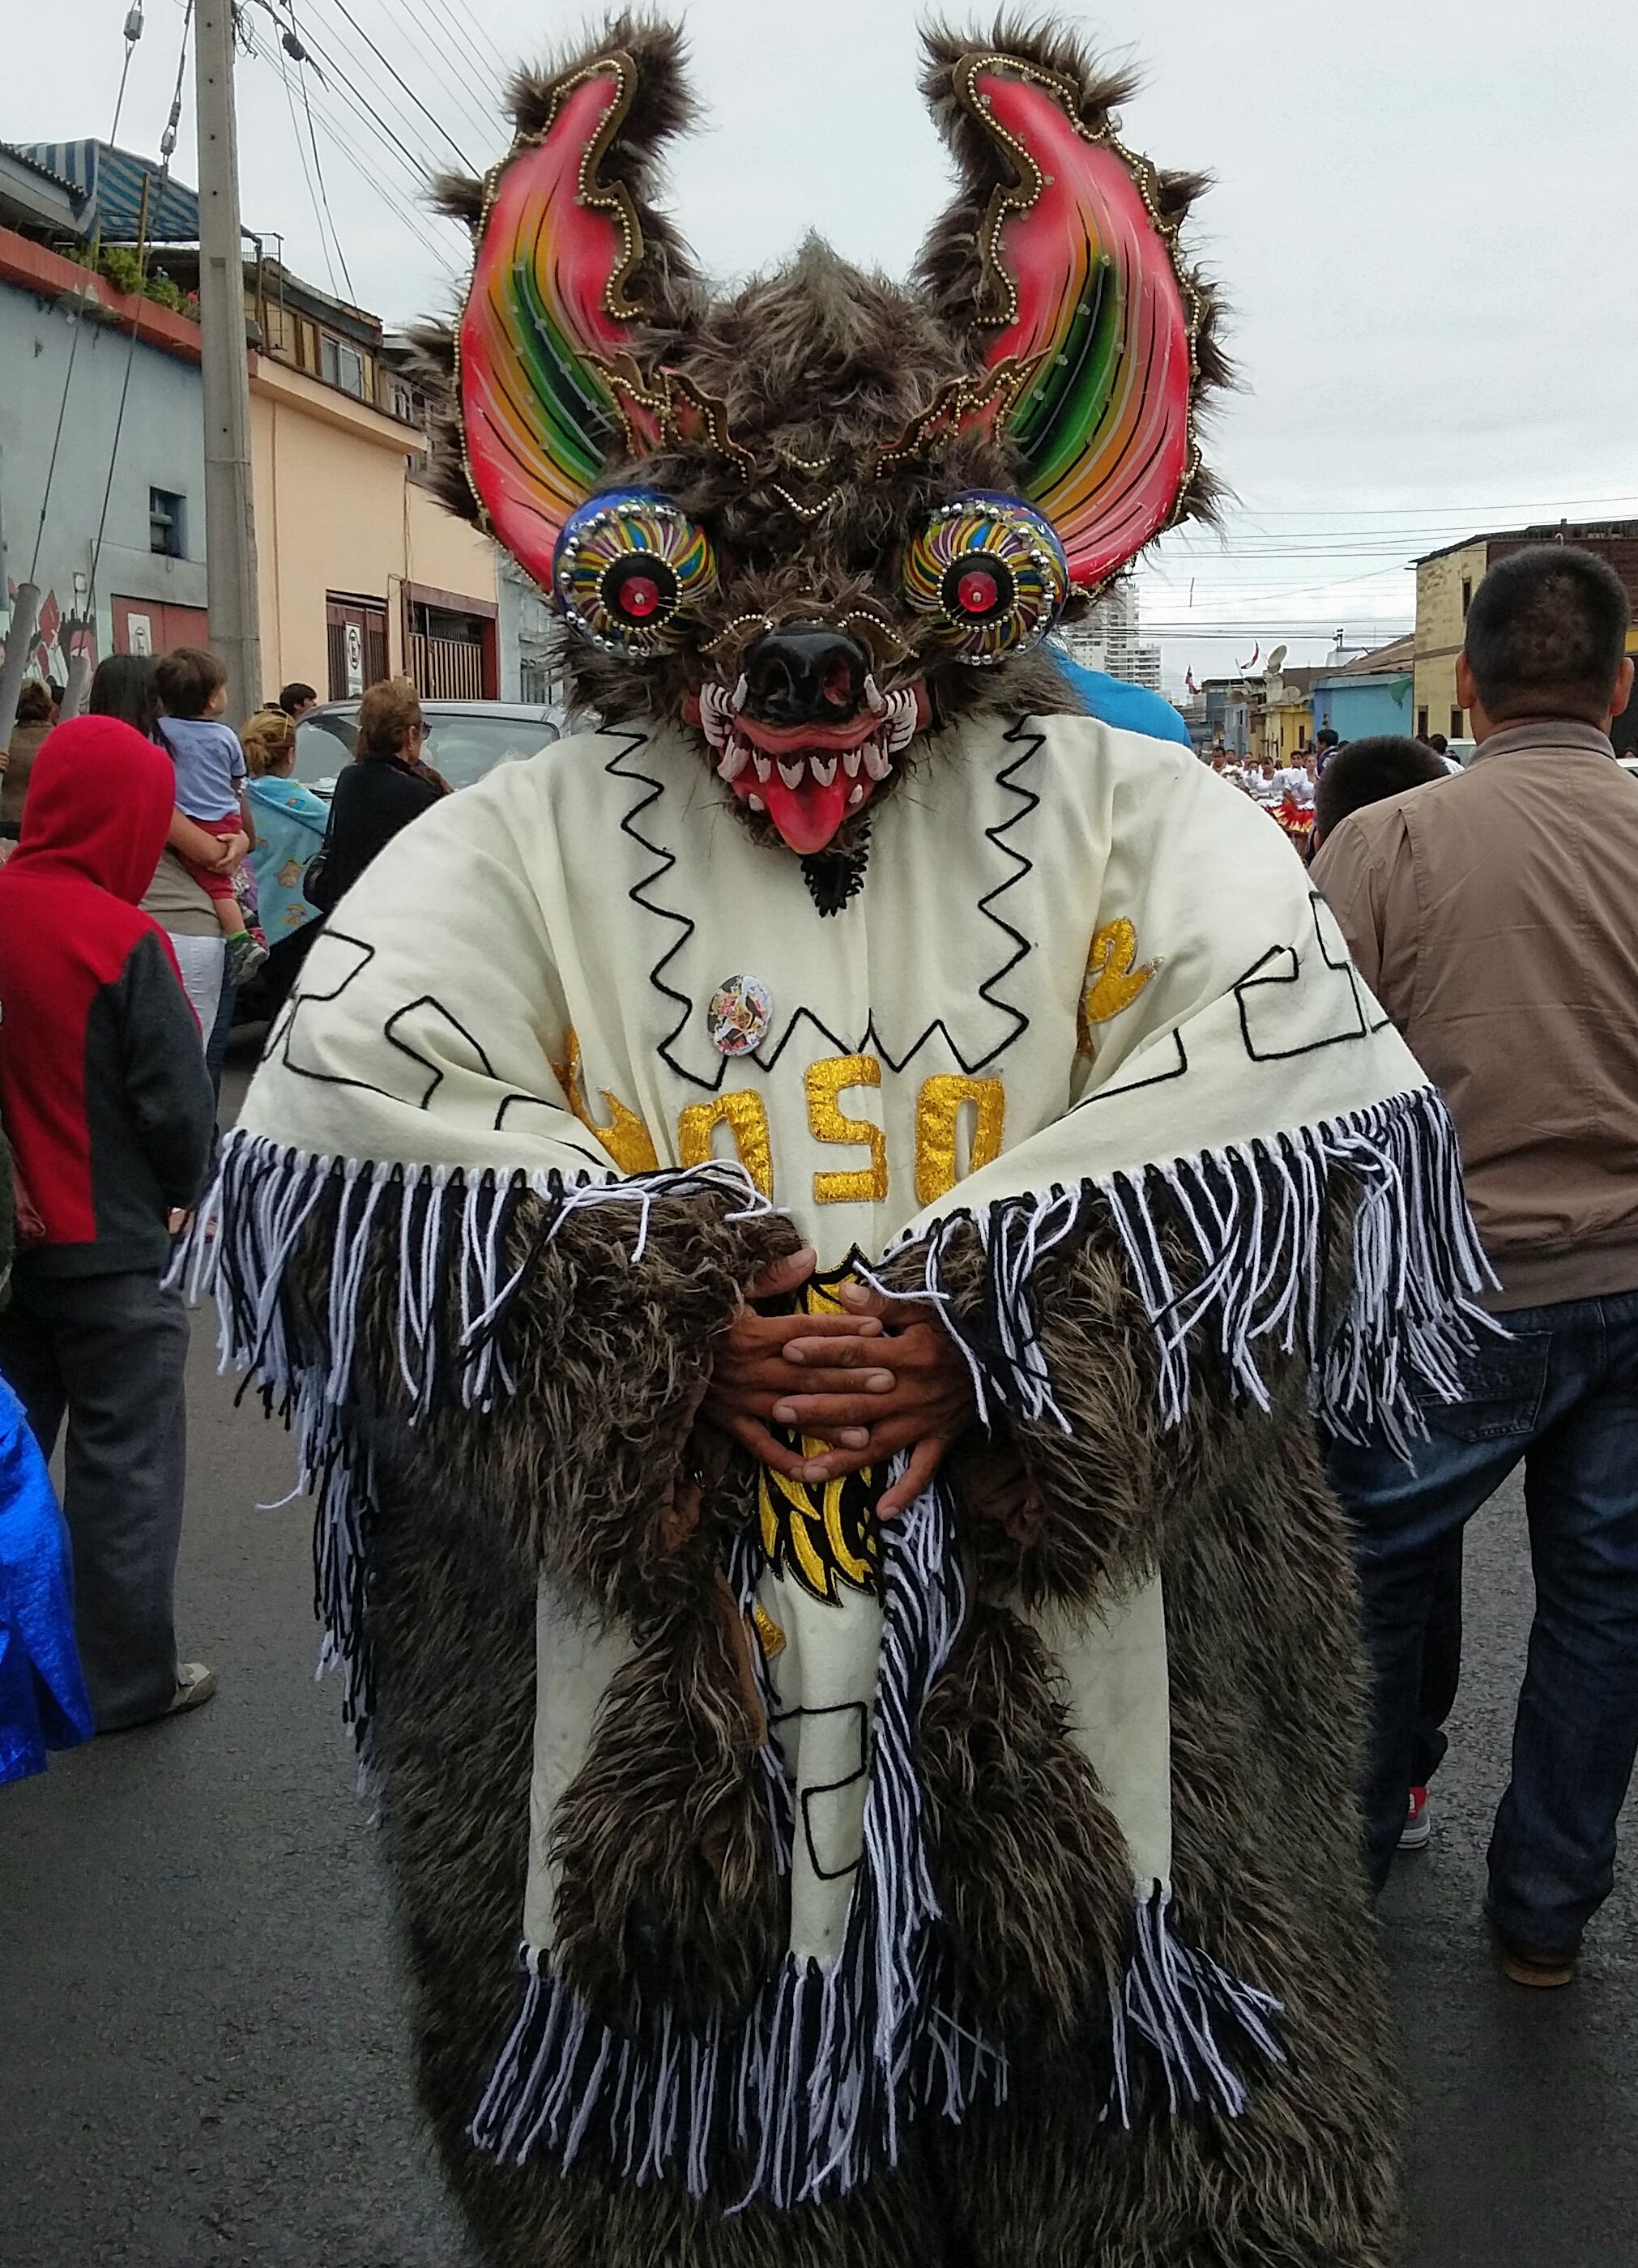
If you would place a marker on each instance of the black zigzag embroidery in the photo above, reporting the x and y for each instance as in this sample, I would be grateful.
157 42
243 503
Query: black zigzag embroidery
1282 966
871 1039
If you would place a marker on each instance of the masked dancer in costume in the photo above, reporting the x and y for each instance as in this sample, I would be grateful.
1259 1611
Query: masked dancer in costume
807 1291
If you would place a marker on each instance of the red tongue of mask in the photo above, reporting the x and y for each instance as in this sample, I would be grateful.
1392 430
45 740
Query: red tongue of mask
809 816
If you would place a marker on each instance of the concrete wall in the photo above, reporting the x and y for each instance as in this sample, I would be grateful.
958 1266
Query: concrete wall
1440 619
161 445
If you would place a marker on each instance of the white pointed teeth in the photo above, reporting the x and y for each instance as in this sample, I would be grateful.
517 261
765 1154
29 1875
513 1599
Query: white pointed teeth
822 767
856 798
765 767
901 719
714 716
791 774
851 758
736 756
741 695
757 803
878 763
875 700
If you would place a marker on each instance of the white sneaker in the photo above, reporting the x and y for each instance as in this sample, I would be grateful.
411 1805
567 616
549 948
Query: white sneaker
195 1686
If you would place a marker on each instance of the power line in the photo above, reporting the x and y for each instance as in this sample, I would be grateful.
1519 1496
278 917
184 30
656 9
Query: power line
339 79
134 28
306 169
391 69
486 110
168 146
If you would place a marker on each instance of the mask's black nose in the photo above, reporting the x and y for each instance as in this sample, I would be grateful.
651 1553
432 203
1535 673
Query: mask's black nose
805 674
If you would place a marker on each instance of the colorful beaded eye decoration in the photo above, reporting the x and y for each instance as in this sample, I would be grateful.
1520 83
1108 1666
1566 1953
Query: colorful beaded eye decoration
627 567
990 577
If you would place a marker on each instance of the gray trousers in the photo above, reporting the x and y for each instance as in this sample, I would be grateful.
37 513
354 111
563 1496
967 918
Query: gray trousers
109 1354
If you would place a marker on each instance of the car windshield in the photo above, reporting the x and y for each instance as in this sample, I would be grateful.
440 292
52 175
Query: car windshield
462 748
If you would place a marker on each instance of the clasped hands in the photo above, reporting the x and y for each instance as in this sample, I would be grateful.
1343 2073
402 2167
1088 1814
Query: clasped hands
885 1376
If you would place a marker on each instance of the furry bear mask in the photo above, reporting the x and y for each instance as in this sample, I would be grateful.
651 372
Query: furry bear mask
816 520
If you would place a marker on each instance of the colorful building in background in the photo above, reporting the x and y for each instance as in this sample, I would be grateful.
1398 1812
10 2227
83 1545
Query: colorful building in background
362 573
1368 695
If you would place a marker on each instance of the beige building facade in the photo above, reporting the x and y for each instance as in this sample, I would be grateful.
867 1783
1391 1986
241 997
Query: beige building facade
1445 583
363 572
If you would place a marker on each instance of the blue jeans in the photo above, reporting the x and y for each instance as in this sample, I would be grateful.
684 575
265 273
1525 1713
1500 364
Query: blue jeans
1562 1396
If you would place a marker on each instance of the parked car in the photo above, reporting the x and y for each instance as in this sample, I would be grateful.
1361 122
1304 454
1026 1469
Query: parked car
464 739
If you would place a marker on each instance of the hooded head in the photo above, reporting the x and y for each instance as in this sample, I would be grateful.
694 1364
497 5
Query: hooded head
99 807
818 520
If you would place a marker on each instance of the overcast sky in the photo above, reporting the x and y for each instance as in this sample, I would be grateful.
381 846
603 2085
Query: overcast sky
1425 217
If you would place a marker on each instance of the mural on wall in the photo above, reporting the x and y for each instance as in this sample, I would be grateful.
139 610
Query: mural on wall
58 637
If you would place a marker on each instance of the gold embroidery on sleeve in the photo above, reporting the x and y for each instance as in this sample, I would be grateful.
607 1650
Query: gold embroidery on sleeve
1112 981
824 1081
627 1140
745 1116
938 1115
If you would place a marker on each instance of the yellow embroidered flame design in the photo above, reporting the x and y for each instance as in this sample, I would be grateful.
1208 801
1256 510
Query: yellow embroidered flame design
1112 980
627 1140
822 1538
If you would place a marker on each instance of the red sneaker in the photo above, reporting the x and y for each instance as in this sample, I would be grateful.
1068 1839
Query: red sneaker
1417 1832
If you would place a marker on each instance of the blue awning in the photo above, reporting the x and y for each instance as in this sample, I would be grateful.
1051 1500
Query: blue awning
111 183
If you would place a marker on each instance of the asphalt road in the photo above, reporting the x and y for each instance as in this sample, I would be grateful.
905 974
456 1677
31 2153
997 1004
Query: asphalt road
201 2060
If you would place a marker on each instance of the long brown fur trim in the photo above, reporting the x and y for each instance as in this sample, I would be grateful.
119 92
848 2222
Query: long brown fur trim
1030 1868
670 1889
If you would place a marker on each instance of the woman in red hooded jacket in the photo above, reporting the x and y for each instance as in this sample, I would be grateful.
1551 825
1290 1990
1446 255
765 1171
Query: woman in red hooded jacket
104 1097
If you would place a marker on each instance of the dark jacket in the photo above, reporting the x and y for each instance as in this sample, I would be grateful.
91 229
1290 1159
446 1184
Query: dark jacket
103 1087
26 742
1491 913
375 798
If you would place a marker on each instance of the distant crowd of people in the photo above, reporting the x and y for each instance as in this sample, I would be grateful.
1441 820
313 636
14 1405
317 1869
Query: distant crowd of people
153 863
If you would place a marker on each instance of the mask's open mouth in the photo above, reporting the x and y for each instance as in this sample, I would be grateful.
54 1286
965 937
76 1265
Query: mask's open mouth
809 779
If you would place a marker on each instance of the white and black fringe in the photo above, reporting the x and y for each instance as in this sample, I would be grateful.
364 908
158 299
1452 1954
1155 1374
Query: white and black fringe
453 1231
809 2093
1256 1220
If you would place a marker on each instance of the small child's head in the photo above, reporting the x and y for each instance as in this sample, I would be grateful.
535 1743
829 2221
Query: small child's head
34 702
192 682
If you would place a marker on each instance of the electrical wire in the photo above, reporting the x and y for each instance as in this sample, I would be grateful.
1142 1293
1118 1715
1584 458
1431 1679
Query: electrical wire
485 110
134 29
306 169
168 146
392 71
338 77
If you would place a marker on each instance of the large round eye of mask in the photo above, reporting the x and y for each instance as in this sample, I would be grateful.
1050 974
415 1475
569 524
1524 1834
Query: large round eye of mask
988 575
627 569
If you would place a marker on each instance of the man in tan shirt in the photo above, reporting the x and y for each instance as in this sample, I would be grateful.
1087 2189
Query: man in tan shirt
1495 917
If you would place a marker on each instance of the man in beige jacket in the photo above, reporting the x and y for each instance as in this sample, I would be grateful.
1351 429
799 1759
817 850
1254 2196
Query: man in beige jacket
1495 917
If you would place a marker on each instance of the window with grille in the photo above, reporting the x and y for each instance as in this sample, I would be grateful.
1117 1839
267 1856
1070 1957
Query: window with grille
166 523
343 365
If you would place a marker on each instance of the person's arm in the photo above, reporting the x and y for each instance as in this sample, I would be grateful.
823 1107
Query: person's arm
172 1109
246 822
213 852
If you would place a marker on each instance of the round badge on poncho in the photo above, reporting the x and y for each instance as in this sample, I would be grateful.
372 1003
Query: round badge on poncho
740 1011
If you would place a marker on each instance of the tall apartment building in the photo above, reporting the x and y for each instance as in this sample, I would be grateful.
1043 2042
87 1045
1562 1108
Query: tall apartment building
1108 638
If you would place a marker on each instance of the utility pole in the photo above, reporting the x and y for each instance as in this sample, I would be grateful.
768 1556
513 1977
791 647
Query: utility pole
230 507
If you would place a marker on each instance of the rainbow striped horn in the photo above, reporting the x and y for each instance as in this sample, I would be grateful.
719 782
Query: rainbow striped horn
1088 321
549 395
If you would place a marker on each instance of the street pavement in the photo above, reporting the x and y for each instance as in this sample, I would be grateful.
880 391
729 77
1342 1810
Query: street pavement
203 2058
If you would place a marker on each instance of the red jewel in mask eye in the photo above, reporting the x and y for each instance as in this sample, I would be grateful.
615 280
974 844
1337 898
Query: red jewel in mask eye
977 592
639 597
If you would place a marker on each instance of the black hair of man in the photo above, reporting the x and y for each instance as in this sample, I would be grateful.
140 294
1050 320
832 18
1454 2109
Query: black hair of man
296 696
1547 634
1328 736
1437 742
1366 771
